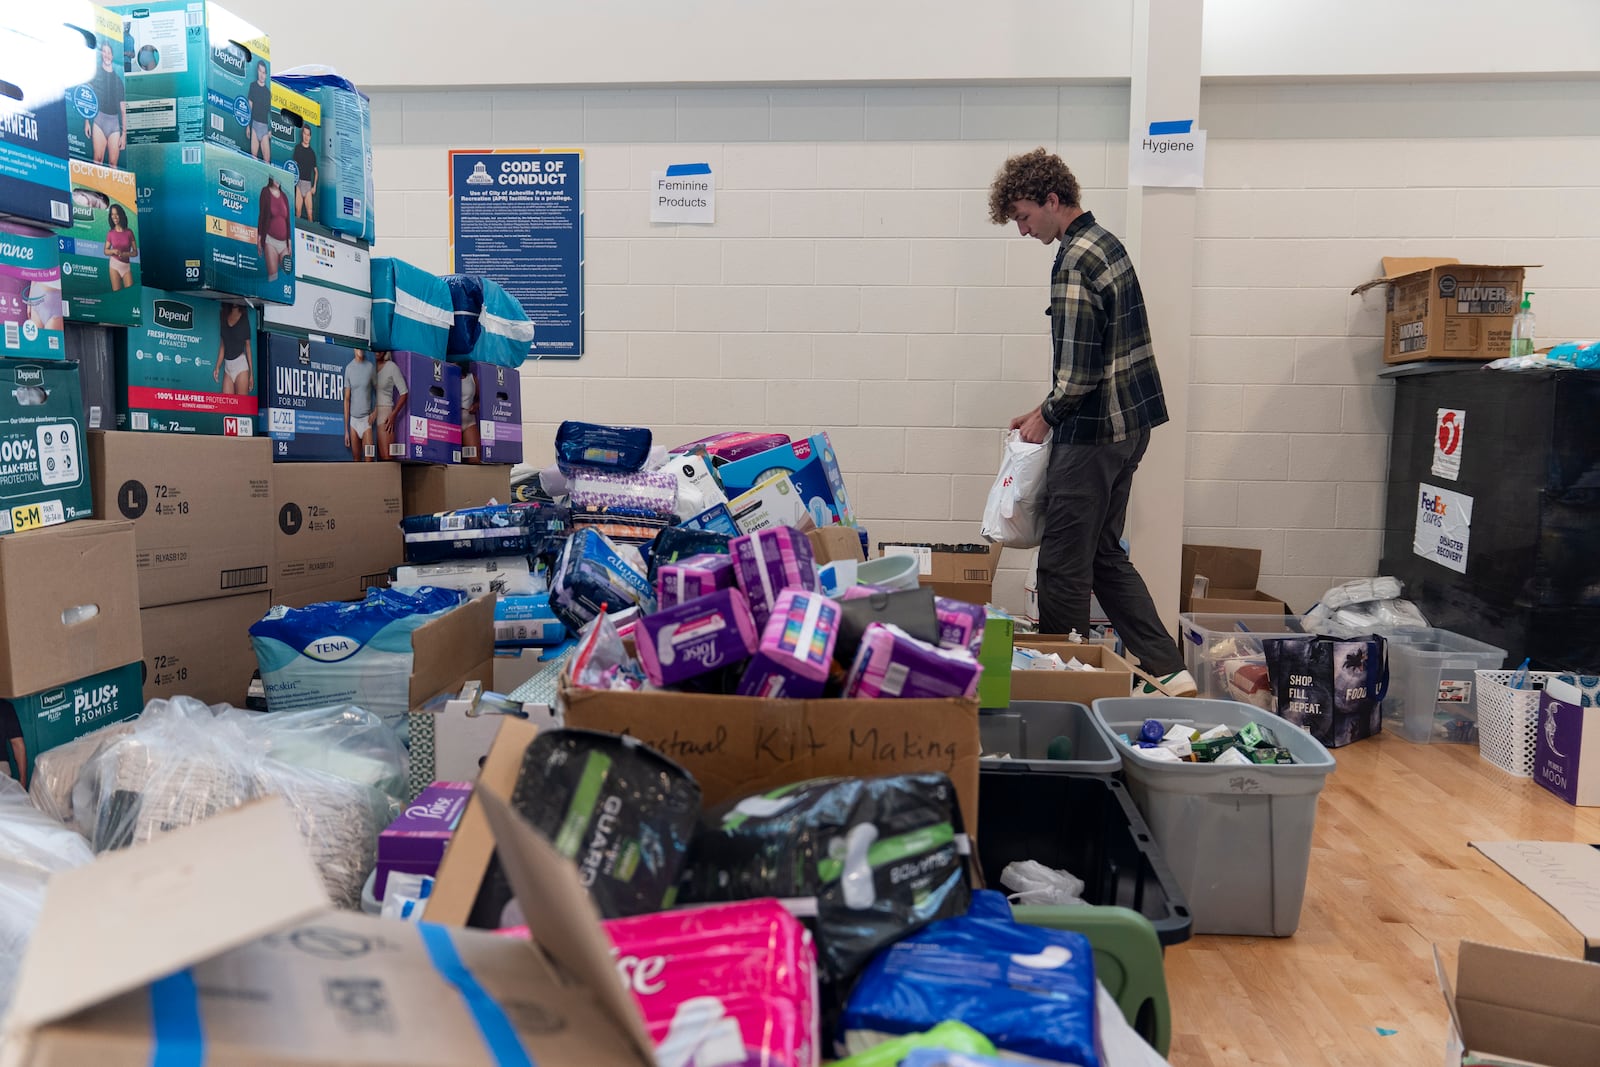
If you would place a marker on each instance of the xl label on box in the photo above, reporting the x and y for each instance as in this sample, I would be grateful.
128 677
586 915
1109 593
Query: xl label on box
1444 527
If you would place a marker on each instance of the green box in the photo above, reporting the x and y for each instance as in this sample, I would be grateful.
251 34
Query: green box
171 372
96 105
56 716
44 474
203 209
97 283
994 655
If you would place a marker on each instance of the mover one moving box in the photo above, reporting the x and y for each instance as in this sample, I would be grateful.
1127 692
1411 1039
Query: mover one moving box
219 939
1441 308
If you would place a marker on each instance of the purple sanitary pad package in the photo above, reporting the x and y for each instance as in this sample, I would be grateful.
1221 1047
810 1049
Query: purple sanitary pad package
770 561
695 638
960 624
892 663
696 576
415 842
796 650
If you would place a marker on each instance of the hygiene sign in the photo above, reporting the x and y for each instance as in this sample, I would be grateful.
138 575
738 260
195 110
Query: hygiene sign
1444 526
516 216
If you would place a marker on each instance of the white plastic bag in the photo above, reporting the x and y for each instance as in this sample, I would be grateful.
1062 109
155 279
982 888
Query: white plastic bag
1034 883
1014 516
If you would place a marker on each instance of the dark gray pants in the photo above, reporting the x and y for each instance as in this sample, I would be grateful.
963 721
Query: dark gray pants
1082 551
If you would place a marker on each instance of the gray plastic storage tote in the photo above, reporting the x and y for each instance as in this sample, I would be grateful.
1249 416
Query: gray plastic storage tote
1023 733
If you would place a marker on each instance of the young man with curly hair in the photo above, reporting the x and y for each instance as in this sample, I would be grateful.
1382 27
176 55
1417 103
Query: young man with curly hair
1105 399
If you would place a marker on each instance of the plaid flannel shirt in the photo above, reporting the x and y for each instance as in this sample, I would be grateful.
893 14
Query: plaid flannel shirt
1106 386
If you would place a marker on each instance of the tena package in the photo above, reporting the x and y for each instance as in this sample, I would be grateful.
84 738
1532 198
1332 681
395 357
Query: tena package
41 57
418 408
191 368
769 562
318 400
696 576
101 260
795 655
696 637
610 448
31 315
44 472
491 414
960 624
410 308
196 73
723 984
345 198
526 622
1029 989
592 577
812 466
67 712
893 664
97 119
469 533
881 856
325 655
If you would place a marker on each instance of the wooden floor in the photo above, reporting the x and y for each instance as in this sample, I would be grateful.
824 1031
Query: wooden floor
1391 876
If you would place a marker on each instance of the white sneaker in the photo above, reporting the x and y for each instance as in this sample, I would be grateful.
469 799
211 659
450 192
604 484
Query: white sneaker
1178 684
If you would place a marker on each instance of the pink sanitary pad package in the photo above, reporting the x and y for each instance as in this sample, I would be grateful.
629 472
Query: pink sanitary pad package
796 650
695 638
770 561
960 624
892 663
696 576
730 985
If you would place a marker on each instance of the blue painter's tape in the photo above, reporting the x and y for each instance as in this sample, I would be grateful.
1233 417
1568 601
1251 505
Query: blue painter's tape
179 1040
499 1036
678 170
1181 126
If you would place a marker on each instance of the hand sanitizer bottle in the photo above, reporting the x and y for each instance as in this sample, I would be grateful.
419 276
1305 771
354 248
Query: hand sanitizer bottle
1522 328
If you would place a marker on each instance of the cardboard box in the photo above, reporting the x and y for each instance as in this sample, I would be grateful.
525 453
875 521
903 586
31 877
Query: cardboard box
42 57
814 469
97 286
205 214
169 378
102 93
425 396
30 291
333 289
960 572
303 386
44 470
338 530
1441 308
1113 679
201 508
431 489
202 649
1567 761
1230 588
830 544
268 971
92 348
1563 874
69 605
196 73
38 722
1520 1009
492 395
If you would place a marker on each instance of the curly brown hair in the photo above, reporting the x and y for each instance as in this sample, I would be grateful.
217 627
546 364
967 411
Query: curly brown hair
1030 176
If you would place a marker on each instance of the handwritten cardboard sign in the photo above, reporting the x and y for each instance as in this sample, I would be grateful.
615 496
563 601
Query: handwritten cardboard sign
1564 874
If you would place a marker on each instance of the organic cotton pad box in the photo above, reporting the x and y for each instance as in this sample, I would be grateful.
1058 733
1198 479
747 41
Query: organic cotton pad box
100 255
303 385
43 470
175 371
424 396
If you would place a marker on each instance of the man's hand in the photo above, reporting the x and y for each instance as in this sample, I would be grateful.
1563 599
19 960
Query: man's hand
1034 429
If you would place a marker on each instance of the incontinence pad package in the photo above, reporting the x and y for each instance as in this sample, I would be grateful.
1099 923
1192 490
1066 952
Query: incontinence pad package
696 637
796 650
893 664
593 577
770 561
470 533
694 577
960 624
879 854
612 448
730 985
411 308
1029 989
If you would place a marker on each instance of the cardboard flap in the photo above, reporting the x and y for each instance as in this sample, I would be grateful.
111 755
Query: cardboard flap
1449 994
561 918
154 909
1228 568
1540 1008
446 649
1399 266
1564 874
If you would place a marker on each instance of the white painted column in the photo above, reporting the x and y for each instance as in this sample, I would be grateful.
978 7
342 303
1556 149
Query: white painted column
1160 238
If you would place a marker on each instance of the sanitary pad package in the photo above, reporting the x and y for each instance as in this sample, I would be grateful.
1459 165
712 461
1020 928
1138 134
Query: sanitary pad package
694 638
527 622
960 624
796 650
411 308
729 985
893 664
770 561
612 448
415 842
592 577
727 447
696 576
654 491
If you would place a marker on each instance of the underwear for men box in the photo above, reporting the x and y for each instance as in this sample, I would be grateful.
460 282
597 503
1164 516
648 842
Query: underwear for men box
418 408
215 220
332 289
41 721
196 72
41 57
30 293
44 476
316 400
96 116
101 272
491 414
191 368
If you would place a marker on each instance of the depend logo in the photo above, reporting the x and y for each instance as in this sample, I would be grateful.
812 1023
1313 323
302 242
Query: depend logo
231 180
173 314
1434 504
53 700
283 129
230 57
29 374
14 251
332 649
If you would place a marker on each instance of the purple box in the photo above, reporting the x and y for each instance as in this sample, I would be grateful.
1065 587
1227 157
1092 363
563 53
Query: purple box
425 397
1567 757
770 561
893 664
491 414
695 638
415 842
697 576
960 624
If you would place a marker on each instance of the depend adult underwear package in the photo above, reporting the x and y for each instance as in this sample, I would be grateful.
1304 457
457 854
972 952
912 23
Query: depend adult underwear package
893 664
695 638
880 855
470 533
728 985
593 577
795 655
173 372
770 561
693 577
101 267
31 313
1029 989
612 448
344 153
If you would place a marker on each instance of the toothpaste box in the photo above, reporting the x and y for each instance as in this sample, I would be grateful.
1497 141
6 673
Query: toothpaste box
196 73
49 719
30 293
101 268
44 473
191 368
424 397
40 56
415 842
491 414
97 119
215 220
332 289
812 466
316 400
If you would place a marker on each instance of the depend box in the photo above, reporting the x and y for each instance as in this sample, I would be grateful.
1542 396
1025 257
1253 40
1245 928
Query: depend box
491 414
305 408
296 143
56 716
344 154
39 57
214 220
414 843
100 261
332 289
44 476
190 368
812 466
97 120
30 293
420 399
196 73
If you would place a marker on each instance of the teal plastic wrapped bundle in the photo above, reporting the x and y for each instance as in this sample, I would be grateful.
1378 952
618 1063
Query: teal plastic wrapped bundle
505 335
411 309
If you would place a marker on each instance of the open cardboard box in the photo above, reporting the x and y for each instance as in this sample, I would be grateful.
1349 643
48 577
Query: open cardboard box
1440 308
219 938
456 647
1232 574
1520 1009
1113 679
959 572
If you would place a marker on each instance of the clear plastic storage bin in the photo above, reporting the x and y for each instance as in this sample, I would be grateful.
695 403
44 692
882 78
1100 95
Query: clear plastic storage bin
1022 734
1224 653
1433 685
1237 838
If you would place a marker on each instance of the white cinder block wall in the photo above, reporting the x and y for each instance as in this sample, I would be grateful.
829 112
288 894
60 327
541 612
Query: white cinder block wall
853 283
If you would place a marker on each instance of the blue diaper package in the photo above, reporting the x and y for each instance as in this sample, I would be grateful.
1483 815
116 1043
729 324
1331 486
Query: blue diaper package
466 302
326 655
506 335
527 622
593 576
411 309
469 533
1029 989
611 448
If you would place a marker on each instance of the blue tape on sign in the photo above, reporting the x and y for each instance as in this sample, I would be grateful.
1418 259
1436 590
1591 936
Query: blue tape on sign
499 1036
678 170
178 1039
1183 126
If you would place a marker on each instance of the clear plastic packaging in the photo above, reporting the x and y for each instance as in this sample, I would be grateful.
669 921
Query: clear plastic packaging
33 846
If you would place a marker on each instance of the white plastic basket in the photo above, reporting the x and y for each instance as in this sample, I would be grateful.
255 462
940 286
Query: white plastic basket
1508 720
